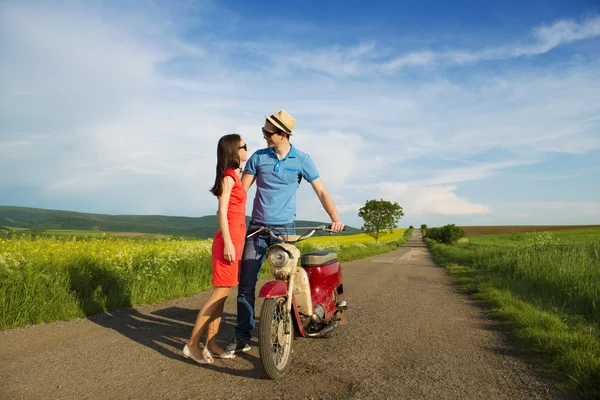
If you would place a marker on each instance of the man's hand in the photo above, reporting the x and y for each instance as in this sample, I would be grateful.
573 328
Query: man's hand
337 226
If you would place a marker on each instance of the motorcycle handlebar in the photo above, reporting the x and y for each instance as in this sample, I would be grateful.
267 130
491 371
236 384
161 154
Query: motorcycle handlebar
269 230
318 228
329 228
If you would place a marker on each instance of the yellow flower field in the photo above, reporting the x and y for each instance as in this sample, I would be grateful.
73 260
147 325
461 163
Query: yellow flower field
48 278
360 238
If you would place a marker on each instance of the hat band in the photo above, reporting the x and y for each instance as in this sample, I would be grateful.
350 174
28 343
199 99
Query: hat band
285 128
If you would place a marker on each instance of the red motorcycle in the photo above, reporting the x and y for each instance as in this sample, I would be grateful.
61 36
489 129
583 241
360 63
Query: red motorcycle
305 299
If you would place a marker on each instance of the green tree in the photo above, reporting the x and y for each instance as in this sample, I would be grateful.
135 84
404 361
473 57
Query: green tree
448 234
380 217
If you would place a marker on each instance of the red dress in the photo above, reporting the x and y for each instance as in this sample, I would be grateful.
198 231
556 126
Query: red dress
225 273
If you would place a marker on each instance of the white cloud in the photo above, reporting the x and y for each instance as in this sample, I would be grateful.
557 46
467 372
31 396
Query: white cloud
470 173
411 59
336 61
368 59
416 201
545 38
566 31
344 208
430 200
340 156
52 60
12 145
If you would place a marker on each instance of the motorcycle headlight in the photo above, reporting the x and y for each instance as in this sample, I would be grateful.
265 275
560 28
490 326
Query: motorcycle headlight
278 257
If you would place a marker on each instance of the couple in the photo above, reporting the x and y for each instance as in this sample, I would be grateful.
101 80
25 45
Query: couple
277 170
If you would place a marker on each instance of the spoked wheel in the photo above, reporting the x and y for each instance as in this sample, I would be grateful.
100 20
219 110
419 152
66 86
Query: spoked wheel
275 336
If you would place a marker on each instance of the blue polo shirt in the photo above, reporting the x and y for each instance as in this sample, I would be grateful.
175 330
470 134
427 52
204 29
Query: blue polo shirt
277 182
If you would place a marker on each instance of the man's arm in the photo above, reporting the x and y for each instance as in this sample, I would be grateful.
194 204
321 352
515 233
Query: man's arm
247 180
327 203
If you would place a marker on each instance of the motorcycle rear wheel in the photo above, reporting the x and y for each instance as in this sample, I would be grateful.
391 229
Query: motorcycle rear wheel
275 337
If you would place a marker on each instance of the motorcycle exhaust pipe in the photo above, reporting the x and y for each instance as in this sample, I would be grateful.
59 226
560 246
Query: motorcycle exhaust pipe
325 331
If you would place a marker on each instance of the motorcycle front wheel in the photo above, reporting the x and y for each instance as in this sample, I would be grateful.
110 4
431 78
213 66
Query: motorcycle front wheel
275 337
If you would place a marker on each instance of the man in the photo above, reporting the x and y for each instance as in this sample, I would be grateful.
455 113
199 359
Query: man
277 170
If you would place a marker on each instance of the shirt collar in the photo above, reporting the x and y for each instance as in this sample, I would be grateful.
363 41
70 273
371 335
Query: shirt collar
292 154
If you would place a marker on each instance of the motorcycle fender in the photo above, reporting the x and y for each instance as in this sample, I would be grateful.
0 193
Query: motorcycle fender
279 289
273 289
297 320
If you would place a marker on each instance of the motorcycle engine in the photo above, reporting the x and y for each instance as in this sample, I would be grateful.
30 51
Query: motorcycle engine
282 259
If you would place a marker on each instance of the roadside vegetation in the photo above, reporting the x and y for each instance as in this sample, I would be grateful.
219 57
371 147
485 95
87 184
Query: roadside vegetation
49 278
545 286
359 246
448 234
504 229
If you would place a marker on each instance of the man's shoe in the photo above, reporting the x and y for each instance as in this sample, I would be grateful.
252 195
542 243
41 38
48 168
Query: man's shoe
236 345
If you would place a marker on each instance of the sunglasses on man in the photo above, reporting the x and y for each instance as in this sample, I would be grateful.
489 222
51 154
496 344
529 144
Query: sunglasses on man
268 134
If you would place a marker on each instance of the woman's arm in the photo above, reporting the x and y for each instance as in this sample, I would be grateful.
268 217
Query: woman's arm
229 250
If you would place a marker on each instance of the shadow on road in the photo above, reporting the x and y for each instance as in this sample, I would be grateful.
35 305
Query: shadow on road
166 331
97 288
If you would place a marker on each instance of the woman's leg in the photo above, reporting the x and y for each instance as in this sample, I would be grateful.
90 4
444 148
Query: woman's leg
213 308
213 328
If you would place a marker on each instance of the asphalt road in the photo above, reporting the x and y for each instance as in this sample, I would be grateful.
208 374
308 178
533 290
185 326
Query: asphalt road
411 335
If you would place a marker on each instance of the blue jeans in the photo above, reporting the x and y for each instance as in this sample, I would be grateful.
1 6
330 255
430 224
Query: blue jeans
255 250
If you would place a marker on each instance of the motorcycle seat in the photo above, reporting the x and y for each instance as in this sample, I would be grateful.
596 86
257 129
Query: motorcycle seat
318 258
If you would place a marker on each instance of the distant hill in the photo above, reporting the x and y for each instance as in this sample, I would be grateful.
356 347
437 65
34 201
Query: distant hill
38 219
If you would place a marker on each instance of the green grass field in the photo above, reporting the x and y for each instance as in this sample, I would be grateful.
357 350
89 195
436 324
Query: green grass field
49 278
546 287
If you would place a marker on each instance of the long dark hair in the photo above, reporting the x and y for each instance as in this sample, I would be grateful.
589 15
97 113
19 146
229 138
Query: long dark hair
227 157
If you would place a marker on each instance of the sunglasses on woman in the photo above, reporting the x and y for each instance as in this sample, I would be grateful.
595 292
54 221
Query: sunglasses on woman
245 147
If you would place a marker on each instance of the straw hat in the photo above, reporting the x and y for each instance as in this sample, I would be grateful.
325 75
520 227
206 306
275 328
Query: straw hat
283 121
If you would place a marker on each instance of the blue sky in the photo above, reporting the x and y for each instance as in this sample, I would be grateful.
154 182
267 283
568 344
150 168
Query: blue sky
467 112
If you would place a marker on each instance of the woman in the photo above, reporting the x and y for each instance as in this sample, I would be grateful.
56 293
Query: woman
226 248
